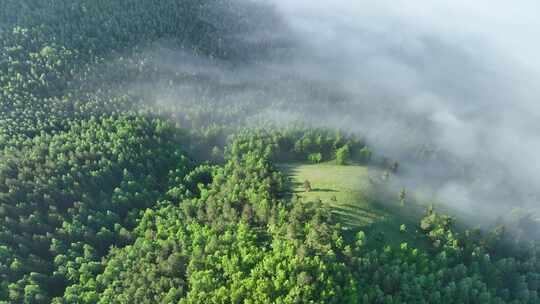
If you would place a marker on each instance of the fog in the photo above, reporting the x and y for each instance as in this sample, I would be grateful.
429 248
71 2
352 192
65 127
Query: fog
460 78
447 88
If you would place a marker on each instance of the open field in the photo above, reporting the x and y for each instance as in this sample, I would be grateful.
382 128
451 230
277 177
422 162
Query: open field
350 194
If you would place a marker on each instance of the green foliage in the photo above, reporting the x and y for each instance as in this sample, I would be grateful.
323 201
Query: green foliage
403 228
79 191
203 250
315 157
101 201
343 155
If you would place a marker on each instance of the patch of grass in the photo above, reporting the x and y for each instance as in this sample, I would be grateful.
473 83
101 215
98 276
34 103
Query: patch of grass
353 200
345 188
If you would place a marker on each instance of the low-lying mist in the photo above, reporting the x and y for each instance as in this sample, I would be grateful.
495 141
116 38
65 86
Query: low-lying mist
456 79
446 88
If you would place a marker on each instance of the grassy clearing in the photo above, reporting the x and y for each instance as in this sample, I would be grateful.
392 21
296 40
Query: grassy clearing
352 198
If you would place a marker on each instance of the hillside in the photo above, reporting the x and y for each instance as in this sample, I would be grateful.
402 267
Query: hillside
156 152
352 198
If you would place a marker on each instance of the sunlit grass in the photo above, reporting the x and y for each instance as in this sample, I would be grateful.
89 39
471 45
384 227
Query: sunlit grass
347 190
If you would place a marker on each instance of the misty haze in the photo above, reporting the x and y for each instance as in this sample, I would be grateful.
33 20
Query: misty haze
245 151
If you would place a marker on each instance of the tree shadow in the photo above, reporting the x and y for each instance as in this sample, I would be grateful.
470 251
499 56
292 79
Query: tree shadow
291 186
323 190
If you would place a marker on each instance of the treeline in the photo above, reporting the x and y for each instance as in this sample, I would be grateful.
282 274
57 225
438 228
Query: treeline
318 145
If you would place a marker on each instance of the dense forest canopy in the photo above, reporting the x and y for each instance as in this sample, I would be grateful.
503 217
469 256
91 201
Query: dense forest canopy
124 179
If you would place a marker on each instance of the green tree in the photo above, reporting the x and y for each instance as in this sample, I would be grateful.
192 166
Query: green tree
315 157
343 155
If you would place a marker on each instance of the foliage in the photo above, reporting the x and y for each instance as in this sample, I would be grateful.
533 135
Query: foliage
343 155
108 198
315 157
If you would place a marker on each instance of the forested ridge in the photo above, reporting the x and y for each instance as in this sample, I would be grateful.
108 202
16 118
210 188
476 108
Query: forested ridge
108 197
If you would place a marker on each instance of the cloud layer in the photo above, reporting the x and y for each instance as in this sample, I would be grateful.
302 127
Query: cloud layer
455 77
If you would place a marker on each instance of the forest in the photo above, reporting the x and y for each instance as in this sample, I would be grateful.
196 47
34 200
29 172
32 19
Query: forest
109 194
